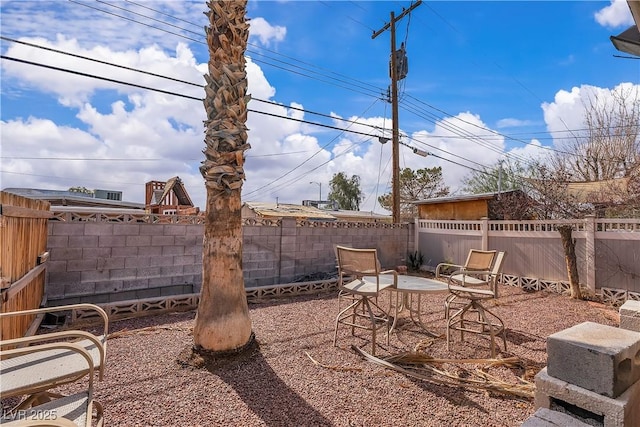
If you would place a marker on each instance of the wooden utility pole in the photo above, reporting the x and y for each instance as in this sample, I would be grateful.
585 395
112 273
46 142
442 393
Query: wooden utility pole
395 145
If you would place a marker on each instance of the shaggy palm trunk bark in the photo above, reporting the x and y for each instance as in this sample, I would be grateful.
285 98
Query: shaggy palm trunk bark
570 258
222 321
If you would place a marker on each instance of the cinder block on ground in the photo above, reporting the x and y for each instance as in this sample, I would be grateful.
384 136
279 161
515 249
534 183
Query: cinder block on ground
599 358
623 411
544 417
630 315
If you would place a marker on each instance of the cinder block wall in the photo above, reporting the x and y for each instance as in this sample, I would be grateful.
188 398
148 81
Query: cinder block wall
103 262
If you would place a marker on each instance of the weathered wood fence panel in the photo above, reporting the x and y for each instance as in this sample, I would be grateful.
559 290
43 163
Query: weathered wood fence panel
23 256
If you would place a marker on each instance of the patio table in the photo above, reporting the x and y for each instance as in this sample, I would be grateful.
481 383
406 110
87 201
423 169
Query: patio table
407 287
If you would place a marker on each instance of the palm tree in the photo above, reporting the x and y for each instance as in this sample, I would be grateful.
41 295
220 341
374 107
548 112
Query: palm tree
222 320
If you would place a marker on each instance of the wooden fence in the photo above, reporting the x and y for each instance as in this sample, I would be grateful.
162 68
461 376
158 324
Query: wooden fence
23 256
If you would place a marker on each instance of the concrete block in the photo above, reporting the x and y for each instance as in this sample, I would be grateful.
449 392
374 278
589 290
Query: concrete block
57 242
98 229
544 417
600 358
65 254
126 251
112 241
173 250
138 240
162 240
630 315
174 230
67 229
93 253
83 241
126 229
81 264
623 411
110 263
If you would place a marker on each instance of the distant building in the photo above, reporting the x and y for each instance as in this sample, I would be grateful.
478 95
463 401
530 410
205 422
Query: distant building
503 205
98 199
284 210
169 198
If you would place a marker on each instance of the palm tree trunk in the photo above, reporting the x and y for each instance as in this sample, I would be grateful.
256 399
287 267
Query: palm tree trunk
222 320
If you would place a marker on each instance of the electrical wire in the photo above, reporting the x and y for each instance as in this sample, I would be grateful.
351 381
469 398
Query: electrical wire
470 137
345 87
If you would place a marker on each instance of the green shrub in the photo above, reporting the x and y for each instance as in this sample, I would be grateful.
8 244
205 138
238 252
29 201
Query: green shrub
414 260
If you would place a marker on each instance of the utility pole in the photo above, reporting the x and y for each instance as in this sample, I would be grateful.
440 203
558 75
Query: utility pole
395 146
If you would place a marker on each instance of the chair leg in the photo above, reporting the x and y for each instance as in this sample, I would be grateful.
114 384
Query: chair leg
452 320
373 325
495 327
353 306
486 321
349 315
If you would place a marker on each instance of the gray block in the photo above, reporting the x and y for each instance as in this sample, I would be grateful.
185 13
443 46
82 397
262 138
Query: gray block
623 411
599 358
544 417
630 315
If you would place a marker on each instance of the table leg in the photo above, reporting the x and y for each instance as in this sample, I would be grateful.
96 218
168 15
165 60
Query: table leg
417 320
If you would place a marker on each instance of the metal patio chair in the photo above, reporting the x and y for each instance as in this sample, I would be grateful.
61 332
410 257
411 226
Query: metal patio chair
353 265
77 409
477 260
36 372
470 288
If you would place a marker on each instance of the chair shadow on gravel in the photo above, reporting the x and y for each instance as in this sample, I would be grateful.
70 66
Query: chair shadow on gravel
266 395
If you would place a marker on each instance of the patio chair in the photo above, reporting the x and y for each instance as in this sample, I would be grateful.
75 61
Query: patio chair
37 372
472 288
353 265
74 410
477 260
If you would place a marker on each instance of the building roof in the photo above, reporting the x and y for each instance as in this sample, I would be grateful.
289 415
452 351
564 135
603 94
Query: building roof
462 198
283 210
179 190
605 191
629 40
342 213
70 198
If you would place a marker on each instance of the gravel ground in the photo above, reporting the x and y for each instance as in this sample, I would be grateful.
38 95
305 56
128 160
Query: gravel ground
278 383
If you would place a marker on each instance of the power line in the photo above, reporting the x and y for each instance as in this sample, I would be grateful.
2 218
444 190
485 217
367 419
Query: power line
377 91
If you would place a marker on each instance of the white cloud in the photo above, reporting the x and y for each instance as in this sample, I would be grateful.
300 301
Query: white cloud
565 115
155 136
617 14
265 32
512 123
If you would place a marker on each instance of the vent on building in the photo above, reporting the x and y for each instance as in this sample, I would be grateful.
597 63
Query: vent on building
107 194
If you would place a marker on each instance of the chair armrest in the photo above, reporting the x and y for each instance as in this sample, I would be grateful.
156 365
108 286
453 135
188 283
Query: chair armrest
480 277
58 422
7 354
395 276
43 338
93 307
446 264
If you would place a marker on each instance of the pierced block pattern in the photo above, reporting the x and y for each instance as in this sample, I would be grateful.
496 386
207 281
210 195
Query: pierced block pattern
529 283
154 304
547 285
614 297
563 288
290 289
178 303
125 307
510 280
633 296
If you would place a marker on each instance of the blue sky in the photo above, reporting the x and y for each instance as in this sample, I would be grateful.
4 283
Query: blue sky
487 81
